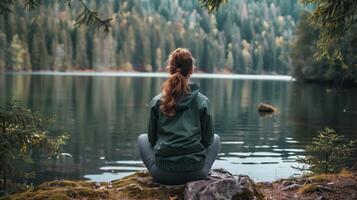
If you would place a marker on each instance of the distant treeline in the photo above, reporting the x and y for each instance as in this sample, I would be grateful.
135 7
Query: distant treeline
244 36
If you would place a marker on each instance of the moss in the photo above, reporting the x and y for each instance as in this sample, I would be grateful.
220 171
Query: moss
46 194
61 193
137 186
65 183
141 186
130 179
59 196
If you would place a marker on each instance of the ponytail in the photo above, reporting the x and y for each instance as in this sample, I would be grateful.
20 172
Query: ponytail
180 67
173 88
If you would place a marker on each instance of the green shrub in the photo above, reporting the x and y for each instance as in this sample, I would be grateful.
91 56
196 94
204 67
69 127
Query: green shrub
22 132
329 153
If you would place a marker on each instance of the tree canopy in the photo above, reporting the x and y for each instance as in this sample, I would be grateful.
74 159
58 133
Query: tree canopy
253 40
305 67
333 18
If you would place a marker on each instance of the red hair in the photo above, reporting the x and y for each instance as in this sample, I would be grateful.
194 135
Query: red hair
180 67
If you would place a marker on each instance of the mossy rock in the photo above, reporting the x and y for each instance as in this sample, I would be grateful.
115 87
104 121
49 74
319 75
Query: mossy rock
62 190
141 186
136 186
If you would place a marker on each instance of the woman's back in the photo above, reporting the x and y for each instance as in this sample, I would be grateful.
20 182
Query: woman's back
180 145
179 141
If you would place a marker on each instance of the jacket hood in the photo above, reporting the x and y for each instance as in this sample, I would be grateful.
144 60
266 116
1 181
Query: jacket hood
185 101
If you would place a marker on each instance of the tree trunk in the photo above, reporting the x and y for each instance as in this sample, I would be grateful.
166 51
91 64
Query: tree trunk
4 179
326 164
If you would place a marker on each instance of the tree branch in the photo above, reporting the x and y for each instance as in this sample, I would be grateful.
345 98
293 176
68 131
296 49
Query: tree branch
91 18
212 5
87 16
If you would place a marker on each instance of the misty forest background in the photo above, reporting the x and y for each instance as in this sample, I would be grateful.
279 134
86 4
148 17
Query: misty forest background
245 36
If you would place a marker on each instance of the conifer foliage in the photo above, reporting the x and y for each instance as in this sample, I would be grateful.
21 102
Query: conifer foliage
241 37
22 133
329 153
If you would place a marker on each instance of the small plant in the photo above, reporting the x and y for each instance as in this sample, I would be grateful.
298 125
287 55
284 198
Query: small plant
22 133
329 153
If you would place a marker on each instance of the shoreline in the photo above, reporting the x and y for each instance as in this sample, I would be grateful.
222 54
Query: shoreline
342 185
156 75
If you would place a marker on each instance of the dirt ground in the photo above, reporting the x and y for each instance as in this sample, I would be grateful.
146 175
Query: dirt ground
342 186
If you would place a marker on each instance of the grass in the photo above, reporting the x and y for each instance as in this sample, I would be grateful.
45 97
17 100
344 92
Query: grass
345 173
321 178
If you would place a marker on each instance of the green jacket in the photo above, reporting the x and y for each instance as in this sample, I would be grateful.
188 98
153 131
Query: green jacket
180 141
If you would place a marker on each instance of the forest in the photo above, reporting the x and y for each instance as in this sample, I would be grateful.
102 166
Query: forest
66 134
304 64
241 37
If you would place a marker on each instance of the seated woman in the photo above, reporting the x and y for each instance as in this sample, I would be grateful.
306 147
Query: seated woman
180 145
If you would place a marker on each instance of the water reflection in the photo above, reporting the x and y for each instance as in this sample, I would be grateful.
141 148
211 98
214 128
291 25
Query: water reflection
104 116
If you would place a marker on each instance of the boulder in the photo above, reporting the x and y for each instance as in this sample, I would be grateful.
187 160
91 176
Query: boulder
266 108
223 185
219 185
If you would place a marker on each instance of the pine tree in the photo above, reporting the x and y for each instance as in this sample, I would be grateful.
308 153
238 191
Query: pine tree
3 46
22 132
17 54
328 153
140 27
37 47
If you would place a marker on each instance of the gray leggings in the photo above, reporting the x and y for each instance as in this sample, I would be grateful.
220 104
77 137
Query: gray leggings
176 178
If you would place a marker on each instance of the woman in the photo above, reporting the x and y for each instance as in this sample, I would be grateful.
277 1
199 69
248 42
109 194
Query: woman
180 145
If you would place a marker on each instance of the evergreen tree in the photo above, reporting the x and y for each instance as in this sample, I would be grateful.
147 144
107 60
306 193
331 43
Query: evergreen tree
3 47
17 54
139 28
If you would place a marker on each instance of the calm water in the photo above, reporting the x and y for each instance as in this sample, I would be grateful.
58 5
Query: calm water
104 116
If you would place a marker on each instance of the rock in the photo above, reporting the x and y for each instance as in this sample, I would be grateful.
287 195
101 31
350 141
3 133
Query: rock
265 184
349 184
223 185
292 187
140 185
320 198
266 108
287 183
330 183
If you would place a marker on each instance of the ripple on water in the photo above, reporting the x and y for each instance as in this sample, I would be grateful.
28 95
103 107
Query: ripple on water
289 150
232 142
256 154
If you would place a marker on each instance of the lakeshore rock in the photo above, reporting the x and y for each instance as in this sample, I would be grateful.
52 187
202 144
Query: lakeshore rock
223 185
266 108
219 185
292 187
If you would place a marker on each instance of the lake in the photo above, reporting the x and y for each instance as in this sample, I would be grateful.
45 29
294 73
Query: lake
105 114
